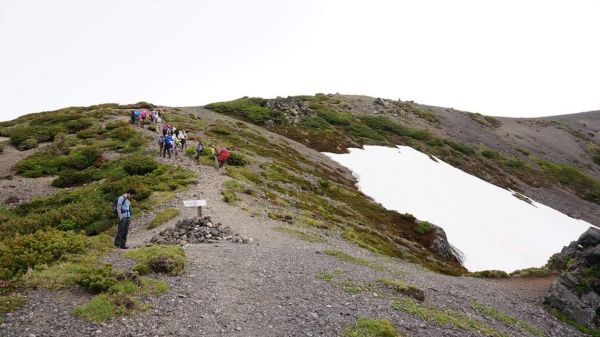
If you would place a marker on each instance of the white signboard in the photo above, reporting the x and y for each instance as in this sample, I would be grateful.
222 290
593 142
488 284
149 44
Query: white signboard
194 203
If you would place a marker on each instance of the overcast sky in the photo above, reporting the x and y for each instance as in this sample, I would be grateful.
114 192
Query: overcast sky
507 58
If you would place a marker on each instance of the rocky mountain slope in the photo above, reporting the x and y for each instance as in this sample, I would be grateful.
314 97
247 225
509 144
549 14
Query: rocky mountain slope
324 259
555 160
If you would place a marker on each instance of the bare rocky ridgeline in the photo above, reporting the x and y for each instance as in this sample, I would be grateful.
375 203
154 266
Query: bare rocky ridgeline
576 292
197 230
292 108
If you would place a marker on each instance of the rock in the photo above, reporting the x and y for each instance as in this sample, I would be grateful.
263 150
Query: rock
576 292
194 231
293 109
565 300
443 248
590 238
592 255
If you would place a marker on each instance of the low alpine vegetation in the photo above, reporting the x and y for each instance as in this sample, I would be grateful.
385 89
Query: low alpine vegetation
163 216
371 327
164 259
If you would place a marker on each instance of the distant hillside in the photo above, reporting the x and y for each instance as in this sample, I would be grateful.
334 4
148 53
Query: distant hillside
555 160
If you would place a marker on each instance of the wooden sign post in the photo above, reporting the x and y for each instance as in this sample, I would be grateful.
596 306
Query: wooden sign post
195 203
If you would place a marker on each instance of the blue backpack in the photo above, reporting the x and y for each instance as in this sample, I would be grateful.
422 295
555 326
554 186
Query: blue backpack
115 204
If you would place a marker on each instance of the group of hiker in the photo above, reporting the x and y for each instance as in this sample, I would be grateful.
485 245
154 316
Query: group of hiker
139 117
171 142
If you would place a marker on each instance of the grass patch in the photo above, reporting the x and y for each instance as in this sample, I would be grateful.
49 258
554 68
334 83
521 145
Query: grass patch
348 286
568 176
104 307
404 288
444 316
371 327
10 303
310 237
325 276
531 272
158 259
506 319
354 260
230 188
163 216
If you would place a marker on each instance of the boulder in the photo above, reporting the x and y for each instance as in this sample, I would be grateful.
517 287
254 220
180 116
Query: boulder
569 303
443 248
590 238
592 255
576 292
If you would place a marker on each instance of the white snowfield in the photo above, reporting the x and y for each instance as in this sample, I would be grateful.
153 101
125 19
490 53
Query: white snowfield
493 229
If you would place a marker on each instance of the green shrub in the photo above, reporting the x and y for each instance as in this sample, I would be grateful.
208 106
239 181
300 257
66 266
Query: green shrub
83 158
139 165
30 143
584 186
98 279
460 147
70 178
423 227
515 163
496 274
531 272
159 259
237 159
21 252
253 109
490 154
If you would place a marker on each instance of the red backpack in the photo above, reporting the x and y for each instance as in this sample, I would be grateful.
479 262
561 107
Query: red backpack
223 155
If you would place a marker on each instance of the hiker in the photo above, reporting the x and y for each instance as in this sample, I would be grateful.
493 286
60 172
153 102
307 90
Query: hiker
168 147
176 147
143 116
132 121
199 149
161 143
138 116
158 123
183 138
122 207
213 150
222 156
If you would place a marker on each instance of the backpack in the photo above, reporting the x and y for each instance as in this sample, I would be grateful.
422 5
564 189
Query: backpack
224 155
199 147
115 204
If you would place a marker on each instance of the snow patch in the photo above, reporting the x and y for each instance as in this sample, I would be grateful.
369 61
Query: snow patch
493 228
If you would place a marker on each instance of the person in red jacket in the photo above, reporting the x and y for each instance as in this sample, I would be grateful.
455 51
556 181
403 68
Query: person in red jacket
222 156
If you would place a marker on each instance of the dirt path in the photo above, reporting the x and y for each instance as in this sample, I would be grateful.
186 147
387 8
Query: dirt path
271 287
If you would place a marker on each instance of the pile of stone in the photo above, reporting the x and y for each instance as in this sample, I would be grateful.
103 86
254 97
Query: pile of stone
576 292
293 109
197 230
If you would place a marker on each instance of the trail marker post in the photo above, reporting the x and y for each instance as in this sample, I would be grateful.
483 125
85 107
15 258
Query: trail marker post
198 204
